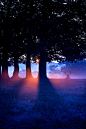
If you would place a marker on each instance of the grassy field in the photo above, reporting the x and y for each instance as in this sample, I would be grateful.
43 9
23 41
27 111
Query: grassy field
45 104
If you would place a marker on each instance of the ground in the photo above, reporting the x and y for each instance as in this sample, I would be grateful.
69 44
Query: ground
45 104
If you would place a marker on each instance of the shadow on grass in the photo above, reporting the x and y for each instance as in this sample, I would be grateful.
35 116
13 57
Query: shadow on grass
52 110
48 111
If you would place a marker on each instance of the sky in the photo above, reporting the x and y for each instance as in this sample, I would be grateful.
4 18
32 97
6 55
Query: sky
54 70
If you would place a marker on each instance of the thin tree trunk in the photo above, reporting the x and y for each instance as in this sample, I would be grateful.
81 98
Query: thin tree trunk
42 66
0 67
16 67
28 66
4 64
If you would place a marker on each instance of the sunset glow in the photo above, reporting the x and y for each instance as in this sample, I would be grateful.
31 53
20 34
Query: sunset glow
30 87
37 60
78 70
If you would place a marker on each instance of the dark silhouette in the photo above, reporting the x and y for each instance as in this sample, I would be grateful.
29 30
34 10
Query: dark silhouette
57 41
16 67
67 75
0 66
48 30
4 60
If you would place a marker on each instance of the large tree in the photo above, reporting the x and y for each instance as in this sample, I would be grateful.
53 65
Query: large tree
59 33
53 28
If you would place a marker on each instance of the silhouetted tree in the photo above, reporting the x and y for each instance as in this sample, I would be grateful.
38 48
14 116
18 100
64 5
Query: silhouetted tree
4 46
27 34
50 30
0 65
12 37
60 39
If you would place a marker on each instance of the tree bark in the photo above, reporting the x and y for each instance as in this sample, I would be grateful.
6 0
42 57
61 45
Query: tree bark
28 66
42 66
16 67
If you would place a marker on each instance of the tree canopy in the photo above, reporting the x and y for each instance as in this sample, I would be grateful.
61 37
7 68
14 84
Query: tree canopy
54 27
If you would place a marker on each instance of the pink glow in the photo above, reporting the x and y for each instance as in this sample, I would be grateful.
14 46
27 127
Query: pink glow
30 87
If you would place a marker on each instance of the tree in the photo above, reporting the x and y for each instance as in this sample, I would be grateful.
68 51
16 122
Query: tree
42 24
63 38
49 30
10 38
27 34
18 16
4 46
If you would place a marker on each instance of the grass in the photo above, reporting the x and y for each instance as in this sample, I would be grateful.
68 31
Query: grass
54 104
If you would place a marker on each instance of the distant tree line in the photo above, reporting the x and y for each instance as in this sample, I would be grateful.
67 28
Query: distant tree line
48 30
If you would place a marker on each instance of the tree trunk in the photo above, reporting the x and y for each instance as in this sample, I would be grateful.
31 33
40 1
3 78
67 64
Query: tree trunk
16 67
28 66
0 67
42 66
4 64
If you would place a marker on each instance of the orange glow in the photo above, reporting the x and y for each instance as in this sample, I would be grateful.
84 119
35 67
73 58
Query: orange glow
37 60
29 87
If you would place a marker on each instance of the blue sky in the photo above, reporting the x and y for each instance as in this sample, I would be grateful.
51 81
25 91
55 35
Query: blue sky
34 69
78 70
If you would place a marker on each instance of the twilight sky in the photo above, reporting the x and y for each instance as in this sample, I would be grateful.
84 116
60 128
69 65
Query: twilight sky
55 70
